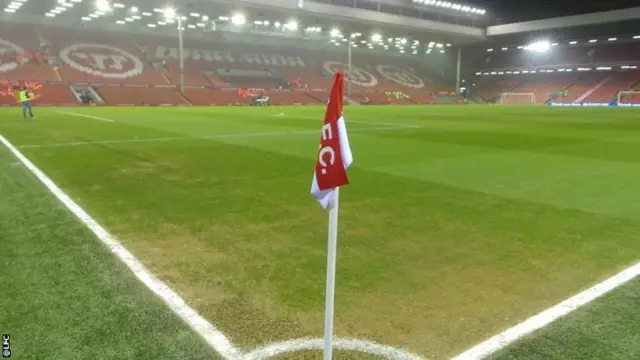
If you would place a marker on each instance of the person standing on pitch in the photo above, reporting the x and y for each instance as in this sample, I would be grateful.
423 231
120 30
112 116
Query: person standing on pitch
25 98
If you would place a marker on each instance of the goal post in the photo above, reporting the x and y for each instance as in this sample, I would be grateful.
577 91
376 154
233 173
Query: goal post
628 97
509 98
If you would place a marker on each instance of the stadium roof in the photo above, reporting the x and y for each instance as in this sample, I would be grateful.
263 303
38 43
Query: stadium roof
322 19
597 18
511 11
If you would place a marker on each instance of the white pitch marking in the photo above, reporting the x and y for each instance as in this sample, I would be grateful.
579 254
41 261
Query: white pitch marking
86 116
354 121
216 339
548 316
305 344
219 136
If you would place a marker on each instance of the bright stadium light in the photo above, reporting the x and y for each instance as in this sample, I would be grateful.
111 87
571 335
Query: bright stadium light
170 13
238 19
292 25
334 32
376 37
134 10
103 5
538 46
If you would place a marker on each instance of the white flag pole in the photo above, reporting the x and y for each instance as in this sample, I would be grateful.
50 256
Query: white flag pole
331 275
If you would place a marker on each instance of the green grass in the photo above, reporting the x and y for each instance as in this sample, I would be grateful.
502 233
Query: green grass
449 232
606 329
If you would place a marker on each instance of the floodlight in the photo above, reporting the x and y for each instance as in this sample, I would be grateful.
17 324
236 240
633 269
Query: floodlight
593 41
103 5
613 39
169 13
195 14
334 32
151 25
238 19
538 46
376 37
572 42
134 9
62 1
292 25
205 17
403 41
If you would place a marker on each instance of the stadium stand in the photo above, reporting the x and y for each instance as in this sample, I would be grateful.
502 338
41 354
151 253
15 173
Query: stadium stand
146 70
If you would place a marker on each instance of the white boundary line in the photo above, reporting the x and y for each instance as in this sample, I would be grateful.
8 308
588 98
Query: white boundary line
348 121
216 339
548 316
306 344
86 116
219 136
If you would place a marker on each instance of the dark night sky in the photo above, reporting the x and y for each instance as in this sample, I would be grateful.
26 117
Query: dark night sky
522 10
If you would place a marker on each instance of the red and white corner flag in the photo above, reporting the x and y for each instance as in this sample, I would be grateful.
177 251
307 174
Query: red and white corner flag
334 156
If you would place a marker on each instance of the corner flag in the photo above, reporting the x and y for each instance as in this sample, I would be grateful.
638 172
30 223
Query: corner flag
334 156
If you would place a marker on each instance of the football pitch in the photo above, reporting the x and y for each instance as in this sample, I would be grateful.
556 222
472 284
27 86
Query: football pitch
459 222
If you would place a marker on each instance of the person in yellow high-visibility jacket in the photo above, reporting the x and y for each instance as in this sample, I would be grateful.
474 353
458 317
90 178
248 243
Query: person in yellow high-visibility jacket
25 97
